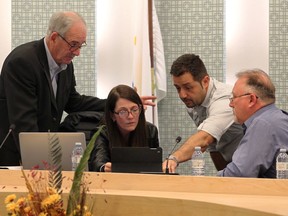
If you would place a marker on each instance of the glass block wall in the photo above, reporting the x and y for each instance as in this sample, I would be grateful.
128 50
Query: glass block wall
187 27
278 50
30 21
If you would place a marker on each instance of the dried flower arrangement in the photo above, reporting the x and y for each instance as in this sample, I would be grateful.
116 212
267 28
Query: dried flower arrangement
44 192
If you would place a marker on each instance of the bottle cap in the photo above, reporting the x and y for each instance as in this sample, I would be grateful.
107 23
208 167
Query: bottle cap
282 150
78 144
197 148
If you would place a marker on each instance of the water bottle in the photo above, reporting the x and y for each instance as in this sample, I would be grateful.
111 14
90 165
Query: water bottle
77 154
198 162
282 165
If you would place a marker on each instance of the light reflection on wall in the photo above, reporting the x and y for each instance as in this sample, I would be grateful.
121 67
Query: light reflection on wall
247 36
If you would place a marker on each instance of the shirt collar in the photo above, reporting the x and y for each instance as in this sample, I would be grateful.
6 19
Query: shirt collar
210 90
249 121
53 66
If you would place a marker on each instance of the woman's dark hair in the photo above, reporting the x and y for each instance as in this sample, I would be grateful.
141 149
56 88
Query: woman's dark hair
137 136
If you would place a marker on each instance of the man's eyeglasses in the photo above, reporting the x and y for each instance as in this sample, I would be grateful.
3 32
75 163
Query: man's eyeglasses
125 113
234 97
73 46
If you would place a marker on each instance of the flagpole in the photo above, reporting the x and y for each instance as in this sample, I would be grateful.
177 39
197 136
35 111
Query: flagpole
150 30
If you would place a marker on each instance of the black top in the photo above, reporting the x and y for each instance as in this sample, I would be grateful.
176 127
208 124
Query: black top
101 153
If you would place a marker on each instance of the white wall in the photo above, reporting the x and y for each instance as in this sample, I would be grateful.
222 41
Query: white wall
5 23
247 36
114 45
123 53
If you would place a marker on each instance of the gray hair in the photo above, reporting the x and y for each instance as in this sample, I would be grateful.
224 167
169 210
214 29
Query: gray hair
260 83
62 21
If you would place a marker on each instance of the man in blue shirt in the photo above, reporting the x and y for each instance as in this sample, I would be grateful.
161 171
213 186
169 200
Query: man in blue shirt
265 126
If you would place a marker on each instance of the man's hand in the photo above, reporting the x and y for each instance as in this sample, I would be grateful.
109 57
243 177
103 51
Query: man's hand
148 101
108 167
172 165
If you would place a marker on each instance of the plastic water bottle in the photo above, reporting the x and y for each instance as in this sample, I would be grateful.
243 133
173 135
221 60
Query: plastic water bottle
282 165
77 154
198 162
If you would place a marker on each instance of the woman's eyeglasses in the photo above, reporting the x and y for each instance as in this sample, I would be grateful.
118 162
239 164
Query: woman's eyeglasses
124 113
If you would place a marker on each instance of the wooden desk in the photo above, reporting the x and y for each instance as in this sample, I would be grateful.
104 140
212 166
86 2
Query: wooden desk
146 194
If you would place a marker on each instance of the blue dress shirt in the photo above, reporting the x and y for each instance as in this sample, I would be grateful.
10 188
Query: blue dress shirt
266 132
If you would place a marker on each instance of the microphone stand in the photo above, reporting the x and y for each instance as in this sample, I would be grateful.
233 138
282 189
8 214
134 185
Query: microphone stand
178 139
11 128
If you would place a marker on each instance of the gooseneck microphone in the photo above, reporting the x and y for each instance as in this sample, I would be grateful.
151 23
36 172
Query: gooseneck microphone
11 128
177 140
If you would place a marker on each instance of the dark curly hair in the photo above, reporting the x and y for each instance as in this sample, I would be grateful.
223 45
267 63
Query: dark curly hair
189 63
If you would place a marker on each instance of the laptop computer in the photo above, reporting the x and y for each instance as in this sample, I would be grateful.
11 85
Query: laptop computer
34 148
136 159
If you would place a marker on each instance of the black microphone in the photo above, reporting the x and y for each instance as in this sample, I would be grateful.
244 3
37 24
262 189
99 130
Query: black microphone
178 139
11 128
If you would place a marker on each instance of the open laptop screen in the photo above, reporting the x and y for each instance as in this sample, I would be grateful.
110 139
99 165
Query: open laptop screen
136 159
34 148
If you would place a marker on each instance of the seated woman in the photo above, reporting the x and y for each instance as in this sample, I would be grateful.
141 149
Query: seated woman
125 126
